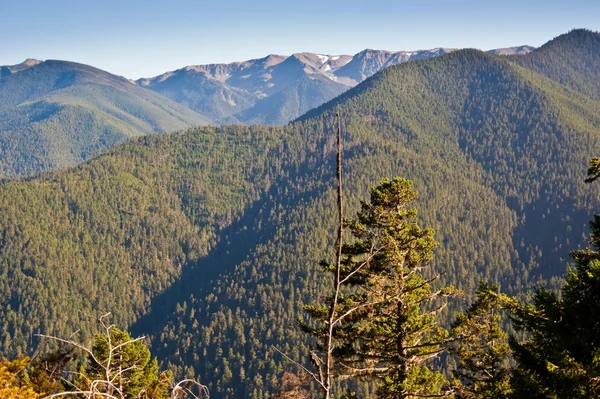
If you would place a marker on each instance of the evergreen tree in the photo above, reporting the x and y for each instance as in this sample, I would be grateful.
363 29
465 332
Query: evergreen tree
115 366
389 330
127 364
481 349
593 170
561 359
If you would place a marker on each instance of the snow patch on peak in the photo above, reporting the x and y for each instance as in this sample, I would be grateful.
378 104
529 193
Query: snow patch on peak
322 58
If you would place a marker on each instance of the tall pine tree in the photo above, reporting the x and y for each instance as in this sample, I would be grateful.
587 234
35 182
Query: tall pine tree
388 329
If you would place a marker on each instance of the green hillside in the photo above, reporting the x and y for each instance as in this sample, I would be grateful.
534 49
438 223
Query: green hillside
57 114
508 209
571 59
209 240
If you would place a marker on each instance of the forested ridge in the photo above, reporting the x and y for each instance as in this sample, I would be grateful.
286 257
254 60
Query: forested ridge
571 59
57 114
209 240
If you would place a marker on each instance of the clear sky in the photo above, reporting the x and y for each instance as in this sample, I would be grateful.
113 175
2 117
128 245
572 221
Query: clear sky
136 38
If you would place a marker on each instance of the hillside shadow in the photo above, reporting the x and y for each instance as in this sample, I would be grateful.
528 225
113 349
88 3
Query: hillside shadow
544 240
235 244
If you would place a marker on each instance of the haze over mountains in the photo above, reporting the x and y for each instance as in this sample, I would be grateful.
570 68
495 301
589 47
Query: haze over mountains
208 241
55 114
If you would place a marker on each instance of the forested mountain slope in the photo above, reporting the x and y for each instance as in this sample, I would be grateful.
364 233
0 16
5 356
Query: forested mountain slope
497 154
571 59
55 114
209 240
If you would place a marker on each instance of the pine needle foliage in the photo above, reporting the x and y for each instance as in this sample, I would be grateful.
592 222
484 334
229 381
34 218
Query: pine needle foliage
481 349
389 330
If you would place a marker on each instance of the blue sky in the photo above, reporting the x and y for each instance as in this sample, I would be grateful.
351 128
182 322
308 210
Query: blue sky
137 38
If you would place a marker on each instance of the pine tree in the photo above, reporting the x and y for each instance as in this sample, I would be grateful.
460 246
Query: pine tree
127 364
561 358
481 349
388 329
115 366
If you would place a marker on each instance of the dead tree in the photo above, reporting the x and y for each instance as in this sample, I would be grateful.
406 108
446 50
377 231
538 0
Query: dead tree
112 377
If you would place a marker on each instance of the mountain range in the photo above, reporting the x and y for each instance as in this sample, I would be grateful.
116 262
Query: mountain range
277 89
55 114
208 241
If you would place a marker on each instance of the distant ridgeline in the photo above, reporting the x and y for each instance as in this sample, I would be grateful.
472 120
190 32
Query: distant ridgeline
209 240
56 114
276 89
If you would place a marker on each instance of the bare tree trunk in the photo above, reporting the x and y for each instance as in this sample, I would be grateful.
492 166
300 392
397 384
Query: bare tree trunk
322 360
337 282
